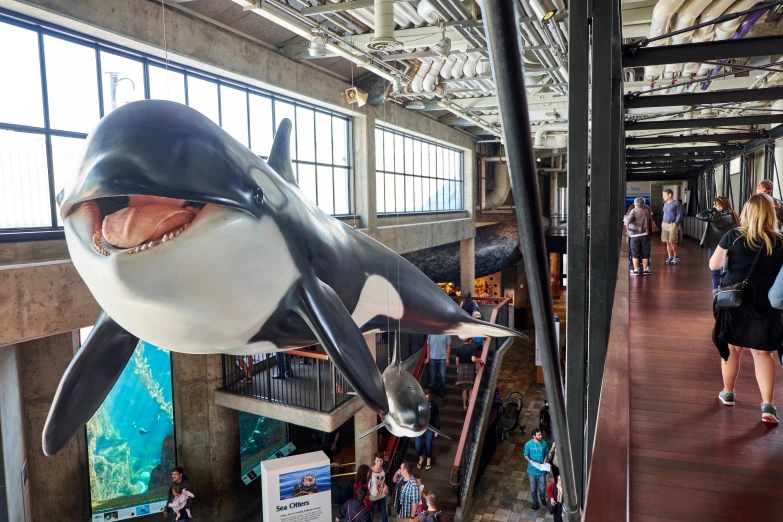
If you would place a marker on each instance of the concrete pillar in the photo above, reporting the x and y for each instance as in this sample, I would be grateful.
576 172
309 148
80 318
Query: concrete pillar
467 264
207 437
364 420
59 485
366 204
14 504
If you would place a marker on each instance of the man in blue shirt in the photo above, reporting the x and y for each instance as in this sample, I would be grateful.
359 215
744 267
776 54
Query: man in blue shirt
407 493
536 450
438 350
670 229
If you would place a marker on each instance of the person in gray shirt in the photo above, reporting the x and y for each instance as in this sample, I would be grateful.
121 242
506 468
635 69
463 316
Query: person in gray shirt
437 356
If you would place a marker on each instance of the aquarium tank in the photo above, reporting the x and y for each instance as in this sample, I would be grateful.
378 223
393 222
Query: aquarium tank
130 439
260 439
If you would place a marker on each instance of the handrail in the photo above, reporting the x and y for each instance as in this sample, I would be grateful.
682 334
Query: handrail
473 396
311 355
607 488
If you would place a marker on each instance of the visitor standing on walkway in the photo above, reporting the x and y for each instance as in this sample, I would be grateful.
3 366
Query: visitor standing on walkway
179 479
433 512
424 441
469 305
467 364
765 187
378 488
536 451
720 219
755 255
437 356
355 510
407 492
555 494
362 477
639 223
670 229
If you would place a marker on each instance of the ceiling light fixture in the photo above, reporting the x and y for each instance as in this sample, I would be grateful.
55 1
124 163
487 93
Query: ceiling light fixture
547 17
443 47
317 46
415 105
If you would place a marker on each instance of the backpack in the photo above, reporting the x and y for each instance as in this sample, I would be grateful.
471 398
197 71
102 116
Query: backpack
427 517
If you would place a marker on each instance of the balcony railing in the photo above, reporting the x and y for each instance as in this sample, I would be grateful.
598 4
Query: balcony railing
313 383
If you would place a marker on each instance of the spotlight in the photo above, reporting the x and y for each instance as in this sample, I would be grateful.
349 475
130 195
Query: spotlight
416 105
354 95
549 16
317 45
538 160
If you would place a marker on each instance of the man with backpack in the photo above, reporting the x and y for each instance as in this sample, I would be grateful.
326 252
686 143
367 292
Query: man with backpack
433 512
355 510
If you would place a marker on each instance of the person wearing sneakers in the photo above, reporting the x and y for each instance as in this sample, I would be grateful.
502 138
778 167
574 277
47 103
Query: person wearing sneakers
639 230
670 229
755 255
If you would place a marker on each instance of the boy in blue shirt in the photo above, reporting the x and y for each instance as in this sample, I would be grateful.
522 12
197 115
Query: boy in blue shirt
536 450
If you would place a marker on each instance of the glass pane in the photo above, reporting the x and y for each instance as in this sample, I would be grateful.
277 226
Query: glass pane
442 195
323 137
417 158
408 156
325 189
66 157
441 163
433 156
72 85
409 194
203 96
21 101
425 162
122 80
399 187
379 150
307 181
426 195
261 125
380 199
434 194
24 198
340 132
388 152
450 162
342 191
167 85
399 150
233 109
262 438
460 206
132 436
417 189
287 110
305 133
389 193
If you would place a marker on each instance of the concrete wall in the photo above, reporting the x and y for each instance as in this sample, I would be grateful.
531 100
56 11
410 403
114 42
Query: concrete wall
11 435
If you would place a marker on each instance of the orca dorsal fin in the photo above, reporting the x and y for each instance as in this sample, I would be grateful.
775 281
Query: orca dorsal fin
280 157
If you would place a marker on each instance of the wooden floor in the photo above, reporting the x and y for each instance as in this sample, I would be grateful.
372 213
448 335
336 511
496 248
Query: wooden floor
691 457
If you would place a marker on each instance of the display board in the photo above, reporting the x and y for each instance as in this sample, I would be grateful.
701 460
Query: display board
297 488
261 438
130 440
634 189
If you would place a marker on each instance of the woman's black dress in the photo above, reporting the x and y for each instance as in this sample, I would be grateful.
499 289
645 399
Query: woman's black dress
755 324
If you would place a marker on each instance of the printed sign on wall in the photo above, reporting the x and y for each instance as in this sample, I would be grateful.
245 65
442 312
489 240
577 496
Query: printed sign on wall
635 189
297 489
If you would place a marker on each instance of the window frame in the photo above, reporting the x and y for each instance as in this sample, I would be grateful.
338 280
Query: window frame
427 175
41 28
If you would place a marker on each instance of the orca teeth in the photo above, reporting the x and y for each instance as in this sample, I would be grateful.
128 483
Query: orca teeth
166 237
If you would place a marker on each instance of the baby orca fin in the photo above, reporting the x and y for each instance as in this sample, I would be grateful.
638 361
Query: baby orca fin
376 428
436 430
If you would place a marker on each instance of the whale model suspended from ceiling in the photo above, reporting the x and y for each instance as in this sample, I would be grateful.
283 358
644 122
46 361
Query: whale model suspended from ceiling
190 241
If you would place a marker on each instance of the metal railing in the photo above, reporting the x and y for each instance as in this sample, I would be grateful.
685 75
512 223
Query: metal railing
309 381
471 431
692 227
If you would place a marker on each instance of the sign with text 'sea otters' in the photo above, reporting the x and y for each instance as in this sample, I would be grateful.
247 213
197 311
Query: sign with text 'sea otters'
297 488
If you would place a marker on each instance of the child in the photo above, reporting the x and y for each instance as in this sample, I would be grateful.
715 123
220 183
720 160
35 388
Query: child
181 501
421 492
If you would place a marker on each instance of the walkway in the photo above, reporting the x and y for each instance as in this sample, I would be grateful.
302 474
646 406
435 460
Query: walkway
691 457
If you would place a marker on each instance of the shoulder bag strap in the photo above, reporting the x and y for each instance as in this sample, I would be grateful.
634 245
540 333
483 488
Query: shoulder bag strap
758 254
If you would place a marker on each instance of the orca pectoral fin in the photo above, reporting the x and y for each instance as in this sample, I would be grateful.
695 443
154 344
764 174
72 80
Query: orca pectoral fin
87 381
327 317
376 428
436 430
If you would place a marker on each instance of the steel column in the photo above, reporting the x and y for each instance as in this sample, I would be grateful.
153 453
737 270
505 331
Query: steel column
704 122
719 138
576 326
503 40
699 52
726 96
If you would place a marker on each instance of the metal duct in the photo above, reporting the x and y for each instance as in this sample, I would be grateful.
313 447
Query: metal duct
427 11
501 189
418 80
686 17
384 27
432 74
662 16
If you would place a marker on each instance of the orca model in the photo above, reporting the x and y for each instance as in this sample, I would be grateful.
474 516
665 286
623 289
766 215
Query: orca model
190 241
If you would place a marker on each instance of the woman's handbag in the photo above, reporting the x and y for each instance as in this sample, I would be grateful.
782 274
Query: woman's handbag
731 296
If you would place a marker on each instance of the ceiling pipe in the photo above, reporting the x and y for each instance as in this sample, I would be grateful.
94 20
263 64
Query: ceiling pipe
427 11
445 71
686 17
661 18
384 27
743 30
432 75
418 80
411 13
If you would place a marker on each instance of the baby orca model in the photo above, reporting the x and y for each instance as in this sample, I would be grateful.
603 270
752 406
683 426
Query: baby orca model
190 241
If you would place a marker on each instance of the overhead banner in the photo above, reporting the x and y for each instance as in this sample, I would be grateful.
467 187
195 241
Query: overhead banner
634 189
297 488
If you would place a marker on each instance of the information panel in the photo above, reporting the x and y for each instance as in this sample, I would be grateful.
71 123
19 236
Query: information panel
297 488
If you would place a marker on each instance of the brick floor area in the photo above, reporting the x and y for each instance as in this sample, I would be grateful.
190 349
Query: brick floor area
503 492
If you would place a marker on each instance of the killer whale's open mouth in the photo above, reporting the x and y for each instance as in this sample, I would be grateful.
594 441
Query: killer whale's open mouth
133 224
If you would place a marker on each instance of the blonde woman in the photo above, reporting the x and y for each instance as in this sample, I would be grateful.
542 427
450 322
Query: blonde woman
754 324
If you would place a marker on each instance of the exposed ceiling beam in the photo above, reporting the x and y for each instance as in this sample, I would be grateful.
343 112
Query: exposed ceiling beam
702 51
703 122
342 6
727 96
705 138
632 153
661 177
418 37
675 158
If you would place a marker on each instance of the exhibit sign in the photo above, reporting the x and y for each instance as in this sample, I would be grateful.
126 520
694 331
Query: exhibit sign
635 189
297 488
538 343
252 473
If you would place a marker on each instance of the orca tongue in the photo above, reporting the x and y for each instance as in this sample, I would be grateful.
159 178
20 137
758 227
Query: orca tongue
135 225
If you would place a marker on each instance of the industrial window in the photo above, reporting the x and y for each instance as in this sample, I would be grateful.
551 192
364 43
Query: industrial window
59 84
416 175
